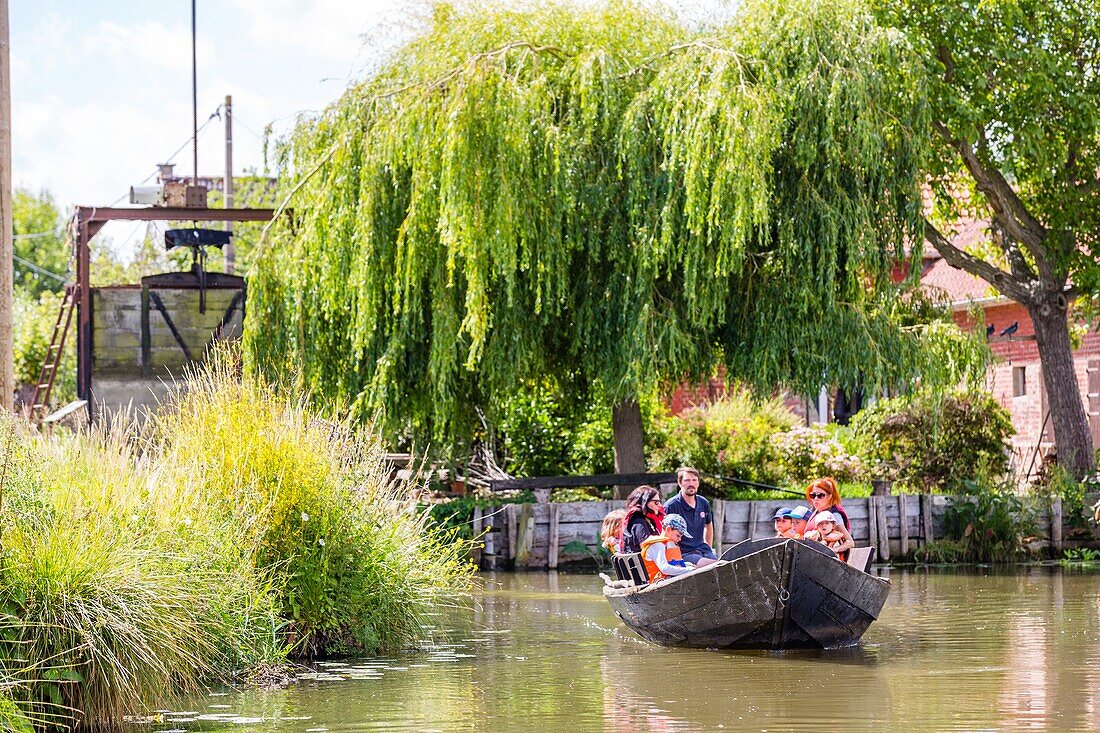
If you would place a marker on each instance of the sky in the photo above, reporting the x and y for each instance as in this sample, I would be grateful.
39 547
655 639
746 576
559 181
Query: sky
101 90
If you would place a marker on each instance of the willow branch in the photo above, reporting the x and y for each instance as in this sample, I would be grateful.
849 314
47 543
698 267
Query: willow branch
440 81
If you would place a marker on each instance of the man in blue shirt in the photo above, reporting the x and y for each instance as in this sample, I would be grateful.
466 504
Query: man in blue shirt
695 510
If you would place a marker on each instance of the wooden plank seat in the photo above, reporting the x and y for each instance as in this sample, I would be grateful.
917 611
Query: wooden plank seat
630 567
861 558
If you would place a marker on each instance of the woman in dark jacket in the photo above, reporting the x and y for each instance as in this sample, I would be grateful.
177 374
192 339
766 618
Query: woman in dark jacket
644 512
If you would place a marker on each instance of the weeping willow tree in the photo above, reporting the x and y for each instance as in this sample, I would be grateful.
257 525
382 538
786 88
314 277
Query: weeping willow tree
598 193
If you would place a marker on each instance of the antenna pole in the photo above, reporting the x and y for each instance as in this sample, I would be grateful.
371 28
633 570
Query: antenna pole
230 255
194 96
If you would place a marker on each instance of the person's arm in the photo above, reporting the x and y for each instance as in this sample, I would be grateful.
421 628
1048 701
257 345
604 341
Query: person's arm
656 553
846 543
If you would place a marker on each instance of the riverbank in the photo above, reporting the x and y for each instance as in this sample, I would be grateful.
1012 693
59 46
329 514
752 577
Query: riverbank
230 533
904 528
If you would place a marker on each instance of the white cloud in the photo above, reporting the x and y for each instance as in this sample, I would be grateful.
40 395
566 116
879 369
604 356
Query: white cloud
147 46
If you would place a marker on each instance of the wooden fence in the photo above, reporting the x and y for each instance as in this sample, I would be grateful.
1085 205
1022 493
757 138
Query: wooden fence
537 535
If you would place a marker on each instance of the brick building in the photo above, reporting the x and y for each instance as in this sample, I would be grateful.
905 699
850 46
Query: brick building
1015 379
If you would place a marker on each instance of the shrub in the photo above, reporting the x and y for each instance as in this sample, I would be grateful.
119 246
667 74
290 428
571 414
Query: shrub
804 453
986 526
34 320
730 437
238 528
355 565
935 443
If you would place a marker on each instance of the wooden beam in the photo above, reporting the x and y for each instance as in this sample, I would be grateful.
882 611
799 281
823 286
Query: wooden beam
525 538
872 523
479 543
552 551
754 513
1056 524
927 531
565 482
102 214
718 510
883 529
903 521
510 519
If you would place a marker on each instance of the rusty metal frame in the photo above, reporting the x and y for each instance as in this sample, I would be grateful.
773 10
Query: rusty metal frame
89 220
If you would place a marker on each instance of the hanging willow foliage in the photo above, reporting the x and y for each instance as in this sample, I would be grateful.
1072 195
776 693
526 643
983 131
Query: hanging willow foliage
594 191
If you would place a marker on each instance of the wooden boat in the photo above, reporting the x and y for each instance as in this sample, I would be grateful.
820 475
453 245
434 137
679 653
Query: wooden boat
762 594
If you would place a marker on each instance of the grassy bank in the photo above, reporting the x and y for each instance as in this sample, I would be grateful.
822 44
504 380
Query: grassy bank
235 530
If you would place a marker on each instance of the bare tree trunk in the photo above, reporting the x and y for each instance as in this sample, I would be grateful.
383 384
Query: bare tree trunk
626 421
1067 411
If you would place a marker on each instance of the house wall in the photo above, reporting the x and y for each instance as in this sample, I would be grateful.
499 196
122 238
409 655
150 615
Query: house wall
1033 440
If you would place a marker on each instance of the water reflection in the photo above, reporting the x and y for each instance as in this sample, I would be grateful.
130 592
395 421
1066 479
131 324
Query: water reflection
953 651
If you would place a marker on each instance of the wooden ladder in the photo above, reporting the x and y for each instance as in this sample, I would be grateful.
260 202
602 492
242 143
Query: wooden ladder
42 388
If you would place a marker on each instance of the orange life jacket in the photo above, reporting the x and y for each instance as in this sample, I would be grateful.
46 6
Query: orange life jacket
672 552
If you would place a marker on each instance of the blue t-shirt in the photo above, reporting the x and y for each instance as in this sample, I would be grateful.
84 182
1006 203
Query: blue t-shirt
697 520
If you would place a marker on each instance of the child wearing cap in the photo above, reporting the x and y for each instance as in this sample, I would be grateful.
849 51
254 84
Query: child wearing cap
661 552
832 534
799 516
781 520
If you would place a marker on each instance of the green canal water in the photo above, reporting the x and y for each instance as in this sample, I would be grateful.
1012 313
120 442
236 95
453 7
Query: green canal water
980 650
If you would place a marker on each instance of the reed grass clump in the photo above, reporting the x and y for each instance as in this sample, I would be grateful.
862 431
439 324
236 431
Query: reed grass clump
233 530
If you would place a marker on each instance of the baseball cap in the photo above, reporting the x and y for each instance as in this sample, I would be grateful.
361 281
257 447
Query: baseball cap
675 521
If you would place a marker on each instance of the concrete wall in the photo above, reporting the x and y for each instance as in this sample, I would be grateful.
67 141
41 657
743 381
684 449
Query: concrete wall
117 377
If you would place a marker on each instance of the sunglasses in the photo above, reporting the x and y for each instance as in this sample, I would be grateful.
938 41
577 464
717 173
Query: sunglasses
817 495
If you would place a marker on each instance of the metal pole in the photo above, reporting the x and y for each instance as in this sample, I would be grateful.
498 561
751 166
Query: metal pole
230 255
7 367
194 97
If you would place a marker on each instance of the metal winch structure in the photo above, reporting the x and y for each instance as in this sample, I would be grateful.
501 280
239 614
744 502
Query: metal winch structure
132 340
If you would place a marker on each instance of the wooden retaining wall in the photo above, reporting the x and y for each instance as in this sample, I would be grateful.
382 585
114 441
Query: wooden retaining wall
536 535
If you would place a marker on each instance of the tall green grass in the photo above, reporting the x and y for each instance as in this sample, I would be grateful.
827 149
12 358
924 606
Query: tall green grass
234 529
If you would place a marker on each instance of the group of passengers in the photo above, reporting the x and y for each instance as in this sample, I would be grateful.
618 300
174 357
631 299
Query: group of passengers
676 536
826 522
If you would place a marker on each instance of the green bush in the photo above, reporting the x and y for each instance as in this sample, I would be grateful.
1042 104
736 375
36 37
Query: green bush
988 525
236 529
34 320
935 443
546 431
730 437
804 453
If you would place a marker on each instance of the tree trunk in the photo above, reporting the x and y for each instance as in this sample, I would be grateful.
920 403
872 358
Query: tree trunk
626 422
1067 411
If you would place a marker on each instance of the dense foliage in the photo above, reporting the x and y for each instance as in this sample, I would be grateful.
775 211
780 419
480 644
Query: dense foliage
237 530
595 193
730 437
933 442
1013 93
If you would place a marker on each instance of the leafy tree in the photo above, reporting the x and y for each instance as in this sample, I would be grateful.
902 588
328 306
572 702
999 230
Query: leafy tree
41 252
1013 89
597 193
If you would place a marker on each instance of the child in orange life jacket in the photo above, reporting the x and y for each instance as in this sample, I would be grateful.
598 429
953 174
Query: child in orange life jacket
831 534
661 552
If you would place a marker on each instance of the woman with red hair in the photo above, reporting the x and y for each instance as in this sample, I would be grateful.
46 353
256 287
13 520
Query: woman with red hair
824 496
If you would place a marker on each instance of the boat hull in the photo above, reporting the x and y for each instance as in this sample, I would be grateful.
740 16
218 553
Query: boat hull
770 594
